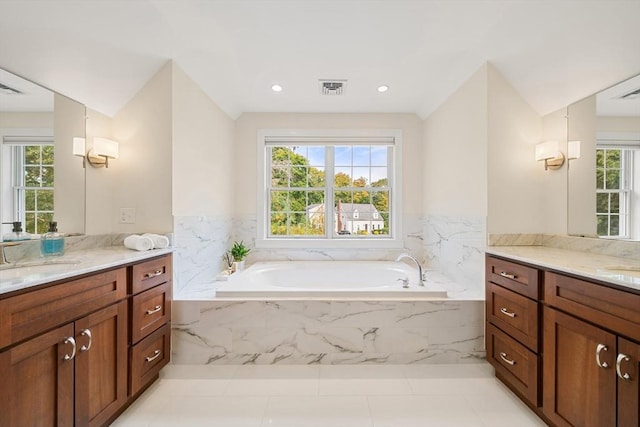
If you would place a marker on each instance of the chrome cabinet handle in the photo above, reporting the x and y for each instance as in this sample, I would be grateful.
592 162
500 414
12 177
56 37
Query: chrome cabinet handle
599 349
506 312
619 360
155 309
70 340
503 356
154 274
86 333
508 275
156 354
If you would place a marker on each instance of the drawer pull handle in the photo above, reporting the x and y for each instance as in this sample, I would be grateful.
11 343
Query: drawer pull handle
503 356
619 360
70 340
599 349
86 333
506 312
508 275
154 274
156 354
155 309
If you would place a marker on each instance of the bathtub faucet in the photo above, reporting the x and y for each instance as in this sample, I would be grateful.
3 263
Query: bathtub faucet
420 278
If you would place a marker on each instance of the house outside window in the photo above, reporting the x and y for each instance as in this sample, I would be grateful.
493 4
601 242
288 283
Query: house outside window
329 189
613 190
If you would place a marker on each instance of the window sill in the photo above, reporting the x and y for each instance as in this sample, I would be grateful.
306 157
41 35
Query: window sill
303 243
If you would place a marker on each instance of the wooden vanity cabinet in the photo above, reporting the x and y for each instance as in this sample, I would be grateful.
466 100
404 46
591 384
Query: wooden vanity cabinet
512 329
65 349
591 361
76 373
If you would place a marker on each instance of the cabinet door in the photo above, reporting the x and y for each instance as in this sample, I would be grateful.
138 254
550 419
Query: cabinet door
577 391
628 369
37 381
101 365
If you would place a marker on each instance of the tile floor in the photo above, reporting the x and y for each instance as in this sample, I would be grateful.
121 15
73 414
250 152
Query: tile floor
328 396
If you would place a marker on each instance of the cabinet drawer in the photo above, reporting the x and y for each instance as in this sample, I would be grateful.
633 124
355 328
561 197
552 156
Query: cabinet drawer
514 314
150 310
147 358
514 363
519 278
31 313
608 308
150 273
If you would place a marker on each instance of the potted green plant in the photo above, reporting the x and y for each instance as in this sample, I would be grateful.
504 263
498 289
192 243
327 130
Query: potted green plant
239 252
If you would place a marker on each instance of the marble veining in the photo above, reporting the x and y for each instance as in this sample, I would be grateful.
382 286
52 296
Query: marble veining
515 239
327 332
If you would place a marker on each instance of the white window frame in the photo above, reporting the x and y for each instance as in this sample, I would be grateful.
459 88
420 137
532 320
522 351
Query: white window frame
324 136
622 141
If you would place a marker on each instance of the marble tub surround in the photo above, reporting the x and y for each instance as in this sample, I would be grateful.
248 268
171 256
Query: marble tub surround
454 246
623 272
72 263
199 243
327 332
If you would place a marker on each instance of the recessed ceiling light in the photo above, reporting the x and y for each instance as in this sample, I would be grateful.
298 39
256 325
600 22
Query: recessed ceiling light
276 88
383 88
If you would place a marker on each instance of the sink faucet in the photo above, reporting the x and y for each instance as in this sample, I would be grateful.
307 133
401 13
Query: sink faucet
405 255
3 256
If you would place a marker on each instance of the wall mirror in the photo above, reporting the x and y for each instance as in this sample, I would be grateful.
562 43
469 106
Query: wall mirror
40 180
604 183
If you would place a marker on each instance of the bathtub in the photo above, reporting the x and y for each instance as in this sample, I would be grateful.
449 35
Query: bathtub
328 280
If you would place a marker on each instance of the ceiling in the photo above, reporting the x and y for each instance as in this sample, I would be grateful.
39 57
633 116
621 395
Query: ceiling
101 52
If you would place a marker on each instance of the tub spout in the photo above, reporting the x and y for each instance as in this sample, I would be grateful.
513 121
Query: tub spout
420 277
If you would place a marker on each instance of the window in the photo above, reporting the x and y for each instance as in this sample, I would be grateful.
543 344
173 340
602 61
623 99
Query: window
328 190
613 189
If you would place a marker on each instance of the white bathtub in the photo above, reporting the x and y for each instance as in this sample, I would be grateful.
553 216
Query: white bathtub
328 279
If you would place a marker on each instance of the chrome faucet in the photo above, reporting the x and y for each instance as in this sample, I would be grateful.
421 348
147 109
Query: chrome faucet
420 277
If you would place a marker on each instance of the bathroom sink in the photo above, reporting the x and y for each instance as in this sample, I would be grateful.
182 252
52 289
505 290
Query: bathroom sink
35 268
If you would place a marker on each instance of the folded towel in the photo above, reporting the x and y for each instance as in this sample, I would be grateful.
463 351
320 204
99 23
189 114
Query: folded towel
138 243
159 241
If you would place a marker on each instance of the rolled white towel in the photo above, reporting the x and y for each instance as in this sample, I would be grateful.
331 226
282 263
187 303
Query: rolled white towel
138 243
159 241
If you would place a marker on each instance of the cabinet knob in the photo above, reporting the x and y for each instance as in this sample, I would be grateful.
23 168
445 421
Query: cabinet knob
86 333
599 349
622 358
154 274
156 354
72 341
508 275
155 309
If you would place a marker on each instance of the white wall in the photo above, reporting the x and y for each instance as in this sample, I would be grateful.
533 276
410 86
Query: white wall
455 152
202 151
143 173
248 125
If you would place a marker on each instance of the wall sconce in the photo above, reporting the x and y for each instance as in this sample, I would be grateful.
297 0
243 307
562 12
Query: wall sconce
103 150
573 150
549 151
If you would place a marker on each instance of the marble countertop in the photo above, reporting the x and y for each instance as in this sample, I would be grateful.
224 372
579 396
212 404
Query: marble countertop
44 270
621 272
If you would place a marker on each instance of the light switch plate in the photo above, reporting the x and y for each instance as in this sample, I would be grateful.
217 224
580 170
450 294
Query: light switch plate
127 216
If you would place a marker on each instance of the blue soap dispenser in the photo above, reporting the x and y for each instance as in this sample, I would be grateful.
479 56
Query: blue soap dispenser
52 242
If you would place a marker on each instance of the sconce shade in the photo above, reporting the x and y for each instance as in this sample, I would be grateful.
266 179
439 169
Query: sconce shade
103 150
549 151
573 151
79 146
105 147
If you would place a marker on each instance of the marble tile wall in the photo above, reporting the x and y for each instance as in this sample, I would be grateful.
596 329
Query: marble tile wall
327 332
199 242
454 246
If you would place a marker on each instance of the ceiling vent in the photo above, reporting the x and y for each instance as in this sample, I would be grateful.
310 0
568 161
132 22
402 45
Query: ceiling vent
332 87
634 94
7 90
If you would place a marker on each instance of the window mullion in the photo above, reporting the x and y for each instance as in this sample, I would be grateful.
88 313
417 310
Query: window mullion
329 180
